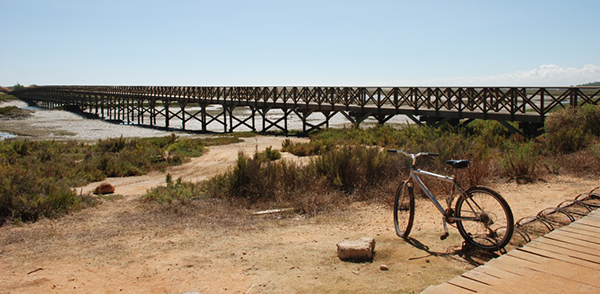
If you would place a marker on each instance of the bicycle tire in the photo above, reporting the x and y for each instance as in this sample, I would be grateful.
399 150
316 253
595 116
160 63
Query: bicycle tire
495 229
404 209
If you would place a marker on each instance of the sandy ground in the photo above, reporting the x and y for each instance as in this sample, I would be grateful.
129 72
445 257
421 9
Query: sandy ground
126 246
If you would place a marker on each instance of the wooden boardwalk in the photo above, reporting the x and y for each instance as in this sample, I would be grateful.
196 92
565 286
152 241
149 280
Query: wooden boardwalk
280 108
566 260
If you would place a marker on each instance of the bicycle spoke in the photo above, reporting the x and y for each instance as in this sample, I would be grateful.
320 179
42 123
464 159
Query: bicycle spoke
491 227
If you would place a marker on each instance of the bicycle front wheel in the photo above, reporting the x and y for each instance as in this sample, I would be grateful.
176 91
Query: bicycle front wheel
404 209
488 221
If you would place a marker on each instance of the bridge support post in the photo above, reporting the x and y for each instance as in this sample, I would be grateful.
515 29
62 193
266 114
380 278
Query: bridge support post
207 118
203 116
240 121
182 105
167 117
267 123
355 117
531 130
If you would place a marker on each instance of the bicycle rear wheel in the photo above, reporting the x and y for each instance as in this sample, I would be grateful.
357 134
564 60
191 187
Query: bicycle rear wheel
492 225
404 209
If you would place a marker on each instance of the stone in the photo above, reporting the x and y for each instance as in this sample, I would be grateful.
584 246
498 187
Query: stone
358 250
384 267
104 188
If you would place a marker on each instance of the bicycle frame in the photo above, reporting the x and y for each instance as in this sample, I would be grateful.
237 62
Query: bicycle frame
492 229
414 175
414 172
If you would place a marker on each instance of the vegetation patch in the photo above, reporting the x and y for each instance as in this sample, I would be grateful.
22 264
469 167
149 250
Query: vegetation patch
572 129
12 112
352 164
6 97
37 176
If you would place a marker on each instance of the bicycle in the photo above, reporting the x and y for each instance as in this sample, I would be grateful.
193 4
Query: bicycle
483 218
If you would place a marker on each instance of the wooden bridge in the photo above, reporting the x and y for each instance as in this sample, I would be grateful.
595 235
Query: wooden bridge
234 108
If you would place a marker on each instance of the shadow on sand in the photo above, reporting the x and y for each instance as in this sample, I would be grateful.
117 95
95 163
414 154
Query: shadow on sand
473 256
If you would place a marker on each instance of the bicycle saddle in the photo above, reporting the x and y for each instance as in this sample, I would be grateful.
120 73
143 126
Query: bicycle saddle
460 163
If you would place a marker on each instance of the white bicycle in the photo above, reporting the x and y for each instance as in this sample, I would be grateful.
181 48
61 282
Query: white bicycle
483 218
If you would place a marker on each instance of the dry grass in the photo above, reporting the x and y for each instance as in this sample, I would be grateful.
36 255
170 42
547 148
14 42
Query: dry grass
583 163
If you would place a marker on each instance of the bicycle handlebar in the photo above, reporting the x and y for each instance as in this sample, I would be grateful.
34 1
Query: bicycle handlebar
413 156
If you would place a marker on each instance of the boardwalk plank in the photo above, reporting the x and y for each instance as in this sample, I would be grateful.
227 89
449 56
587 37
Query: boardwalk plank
561 256
502 281
446 288
470 284
590 221
559 268
499 281
570 234
581 230
574 244
572 251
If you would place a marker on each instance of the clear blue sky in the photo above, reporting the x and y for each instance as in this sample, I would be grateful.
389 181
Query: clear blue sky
354 43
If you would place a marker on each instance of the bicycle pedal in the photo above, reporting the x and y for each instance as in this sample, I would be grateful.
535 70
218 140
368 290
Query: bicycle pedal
444 236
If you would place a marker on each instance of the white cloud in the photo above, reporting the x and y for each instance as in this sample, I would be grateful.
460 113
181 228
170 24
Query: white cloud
545 75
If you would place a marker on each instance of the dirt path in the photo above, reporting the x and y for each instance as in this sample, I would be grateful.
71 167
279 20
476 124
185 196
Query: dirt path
218 160
206 247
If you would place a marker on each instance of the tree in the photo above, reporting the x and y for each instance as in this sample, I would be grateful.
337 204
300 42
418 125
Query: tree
18 87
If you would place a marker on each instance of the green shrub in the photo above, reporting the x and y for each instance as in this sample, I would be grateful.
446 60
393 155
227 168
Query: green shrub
6 97
27 194
351 168
591 119
8 109
269 154
596 150
490 133
299 149
567 140
187 148
347 169
36 176
178 191
520 160
570 130
111 145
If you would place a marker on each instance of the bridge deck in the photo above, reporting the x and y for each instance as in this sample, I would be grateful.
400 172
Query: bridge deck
566 260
